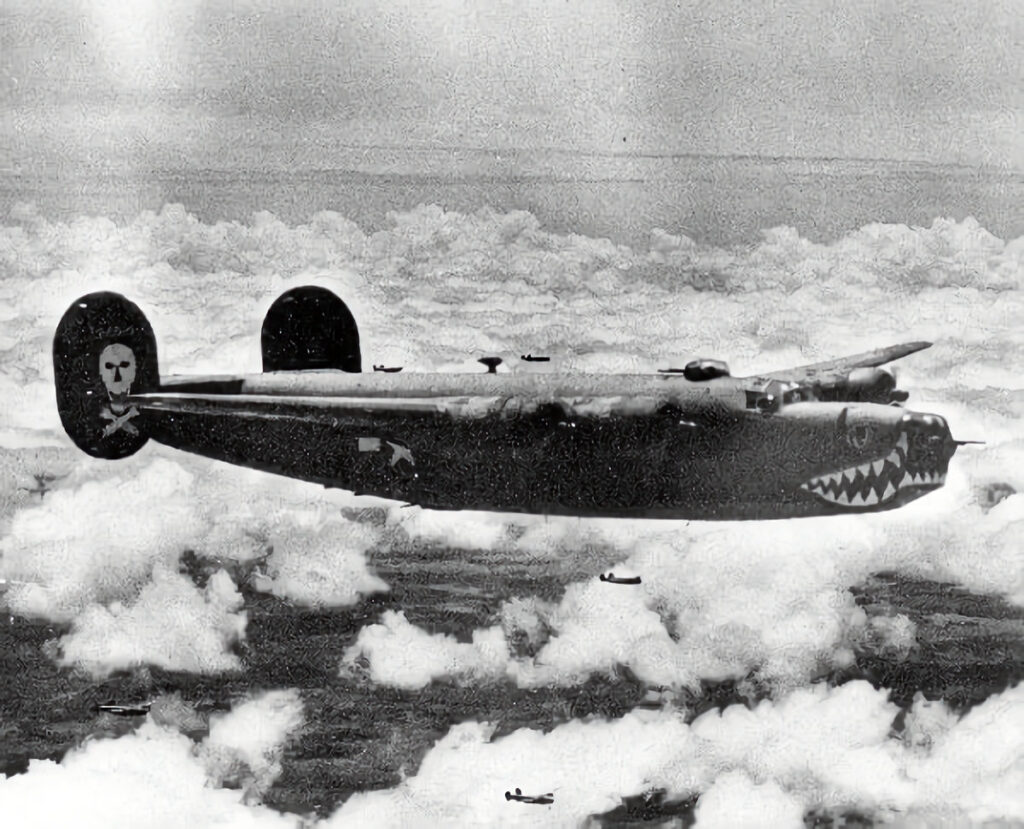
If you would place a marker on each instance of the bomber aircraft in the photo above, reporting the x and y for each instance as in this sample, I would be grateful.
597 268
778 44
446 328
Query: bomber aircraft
43 481
536 800
683 443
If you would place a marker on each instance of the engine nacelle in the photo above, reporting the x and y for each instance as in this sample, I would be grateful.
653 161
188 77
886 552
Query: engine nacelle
699 371
864 385
310 328
875 381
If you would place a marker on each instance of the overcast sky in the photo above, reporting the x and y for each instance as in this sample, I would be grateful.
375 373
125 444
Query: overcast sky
245 83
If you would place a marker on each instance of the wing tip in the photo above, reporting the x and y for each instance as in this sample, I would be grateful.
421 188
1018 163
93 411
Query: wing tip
907 349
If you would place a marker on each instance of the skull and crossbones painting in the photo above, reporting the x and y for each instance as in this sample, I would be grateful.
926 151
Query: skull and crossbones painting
117 370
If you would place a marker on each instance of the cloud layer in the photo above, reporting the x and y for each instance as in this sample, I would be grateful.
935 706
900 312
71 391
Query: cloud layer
829 750
766 602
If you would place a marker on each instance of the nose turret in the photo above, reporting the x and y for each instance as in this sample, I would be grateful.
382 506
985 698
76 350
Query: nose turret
929 447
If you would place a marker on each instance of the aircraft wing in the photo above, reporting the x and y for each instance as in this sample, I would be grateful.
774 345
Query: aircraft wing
330 409
309 408
840 368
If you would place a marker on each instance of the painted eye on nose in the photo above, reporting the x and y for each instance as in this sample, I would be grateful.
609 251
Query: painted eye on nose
859 435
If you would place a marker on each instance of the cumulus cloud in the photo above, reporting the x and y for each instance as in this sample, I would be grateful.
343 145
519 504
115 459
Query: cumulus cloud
400 654
319 560
158 777
246 745
734 801
103 552
172 624
99 541
472 530
817 748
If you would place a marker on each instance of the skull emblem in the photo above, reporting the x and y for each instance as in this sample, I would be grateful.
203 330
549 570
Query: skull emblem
117 369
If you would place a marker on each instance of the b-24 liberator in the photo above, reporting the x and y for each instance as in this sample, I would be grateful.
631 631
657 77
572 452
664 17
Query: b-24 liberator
684 443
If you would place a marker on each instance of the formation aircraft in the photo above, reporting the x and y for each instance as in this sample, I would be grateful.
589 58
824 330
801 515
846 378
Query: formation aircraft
536 800
43 481
136 710
611 578
684 443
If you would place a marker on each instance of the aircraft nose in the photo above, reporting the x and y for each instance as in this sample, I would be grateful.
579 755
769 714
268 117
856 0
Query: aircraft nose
928 437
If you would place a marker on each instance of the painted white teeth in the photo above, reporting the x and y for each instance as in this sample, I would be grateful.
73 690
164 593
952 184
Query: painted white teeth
835 487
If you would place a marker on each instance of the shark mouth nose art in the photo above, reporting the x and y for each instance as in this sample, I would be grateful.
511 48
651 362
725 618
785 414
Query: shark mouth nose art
918 460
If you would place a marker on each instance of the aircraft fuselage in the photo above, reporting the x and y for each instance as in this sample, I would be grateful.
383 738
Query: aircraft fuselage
644 446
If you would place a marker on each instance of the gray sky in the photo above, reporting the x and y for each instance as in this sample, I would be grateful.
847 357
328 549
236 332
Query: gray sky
246 83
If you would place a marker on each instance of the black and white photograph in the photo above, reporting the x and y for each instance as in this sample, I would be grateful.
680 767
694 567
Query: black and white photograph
528 413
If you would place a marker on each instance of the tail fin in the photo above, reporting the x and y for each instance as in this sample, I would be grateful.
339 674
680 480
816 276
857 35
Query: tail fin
103 350
310 328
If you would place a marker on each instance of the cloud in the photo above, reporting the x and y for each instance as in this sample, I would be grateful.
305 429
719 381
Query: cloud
319 561
817 748
734 801
99 541
400 654
246 745
103 554
157 777
821 749
172 624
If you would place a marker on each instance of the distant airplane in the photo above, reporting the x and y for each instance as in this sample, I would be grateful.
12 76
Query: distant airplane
42 479
138 710
693 443
539 800
613 579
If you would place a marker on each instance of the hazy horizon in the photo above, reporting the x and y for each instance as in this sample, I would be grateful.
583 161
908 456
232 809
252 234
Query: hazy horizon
201 82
